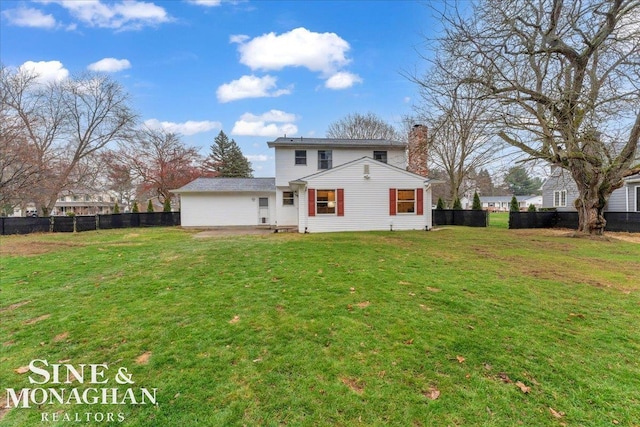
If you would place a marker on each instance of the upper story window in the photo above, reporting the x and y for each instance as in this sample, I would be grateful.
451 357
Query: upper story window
301 157
380 156
560 199
324 159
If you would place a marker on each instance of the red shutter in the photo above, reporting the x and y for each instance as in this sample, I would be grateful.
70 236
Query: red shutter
420 201
392 201
311 201
340 201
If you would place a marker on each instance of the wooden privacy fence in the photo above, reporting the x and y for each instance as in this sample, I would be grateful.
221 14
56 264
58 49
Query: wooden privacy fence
616 221
67 224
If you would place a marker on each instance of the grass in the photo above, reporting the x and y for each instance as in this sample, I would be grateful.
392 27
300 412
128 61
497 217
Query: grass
460 326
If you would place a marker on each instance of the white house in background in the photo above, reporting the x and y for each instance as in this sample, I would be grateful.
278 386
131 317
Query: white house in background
560 191
503 203
321 184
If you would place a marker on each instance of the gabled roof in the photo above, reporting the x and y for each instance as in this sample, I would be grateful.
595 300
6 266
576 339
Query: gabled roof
302 142
211 185
303 180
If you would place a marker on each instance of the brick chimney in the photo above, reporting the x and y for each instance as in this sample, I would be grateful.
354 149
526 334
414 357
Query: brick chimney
417 155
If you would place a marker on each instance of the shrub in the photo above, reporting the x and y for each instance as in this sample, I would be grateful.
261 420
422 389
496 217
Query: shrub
477 205
150 206
440 205
514 207
135 208
166 206
116 209
532 208
456 204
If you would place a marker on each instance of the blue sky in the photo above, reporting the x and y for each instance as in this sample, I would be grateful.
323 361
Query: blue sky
255 69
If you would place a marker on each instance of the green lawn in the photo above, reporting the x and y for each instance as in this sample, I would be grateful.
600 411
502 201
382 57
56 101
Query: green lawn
458 327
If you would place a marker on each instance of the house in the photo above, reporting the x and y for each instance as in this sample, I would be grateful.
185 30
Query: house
560 191
321 185
503 203
76 202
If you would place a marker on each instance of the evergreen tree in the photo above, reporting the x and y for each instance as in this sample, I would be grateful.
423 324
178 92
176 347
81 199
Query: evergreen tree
135 208
116 209
226 159
532 208
150 206
520 183
457 205
166 206
477 205
440 205
513 206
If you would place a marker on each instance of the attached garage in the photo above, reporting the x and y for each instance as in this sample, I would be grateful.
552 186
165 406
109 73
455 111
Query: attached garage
225 202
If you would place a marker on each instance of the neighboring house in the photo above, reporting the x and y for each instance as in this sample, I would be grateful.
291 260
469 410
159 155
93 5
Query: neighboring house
503 203
321 184
77 202
560 191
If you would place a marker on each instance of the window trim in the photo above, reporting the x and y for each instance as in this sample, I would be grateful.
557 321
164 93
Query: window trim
406 201
637 198
560 198
299 160
329 159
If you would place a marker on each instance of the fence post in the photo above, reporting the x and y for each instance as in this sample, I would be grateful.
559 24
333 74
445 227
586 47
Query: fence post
51 226
97 222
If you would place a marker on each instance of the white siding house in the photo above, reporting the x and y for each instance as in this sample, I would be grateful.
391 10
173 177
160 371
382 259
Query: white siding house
321 185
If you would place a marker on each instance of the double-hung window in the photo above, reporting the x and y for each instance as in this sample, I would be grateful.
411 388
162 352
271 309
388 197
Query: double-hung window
406 201
324 159
301 157
326 201
380 156
560 198
287 198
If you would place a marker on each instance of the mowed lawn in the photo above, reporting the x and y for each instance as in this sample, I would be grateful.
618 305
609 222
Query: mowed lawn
455 327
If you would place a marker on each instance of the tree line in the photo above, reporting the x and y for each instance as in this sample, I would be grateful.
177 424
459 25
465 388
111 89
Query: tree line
81 134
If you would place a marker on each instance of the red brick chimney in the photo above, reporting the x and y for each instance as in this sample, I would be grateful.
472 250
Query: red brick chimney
418 150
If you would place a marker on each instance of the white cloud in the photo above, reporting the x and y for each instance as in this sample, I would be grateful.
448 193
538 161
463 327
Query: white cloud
323 52
125 15
29 17
257 157
250 87
206 3
272 123
110 65
48 71
187 128
342 80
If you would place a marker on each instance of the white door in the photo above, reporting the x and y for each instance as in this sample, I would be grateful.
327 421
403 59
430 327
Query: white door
263 210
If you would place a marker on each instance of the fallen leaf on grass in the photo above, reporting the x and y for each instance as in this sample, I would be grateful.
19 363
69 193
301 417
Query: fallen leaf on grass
354 384
61 337
433 393
363 304
429 288
409 342
556 413
504 377
143 359
460 359
21 370
235 319
523 387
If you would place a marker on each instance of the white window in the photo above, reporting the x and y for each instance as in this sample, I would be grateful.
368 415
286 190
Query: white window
560 198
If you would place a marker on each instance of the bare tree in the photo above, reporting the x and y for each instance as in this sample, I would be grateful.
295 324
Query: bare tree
64 123
565 77
461 139
158 161
363 126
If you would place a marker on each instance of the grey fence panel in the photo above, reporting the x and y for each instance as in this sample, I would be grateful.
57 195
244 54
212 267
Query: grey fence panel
623 221
85 223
